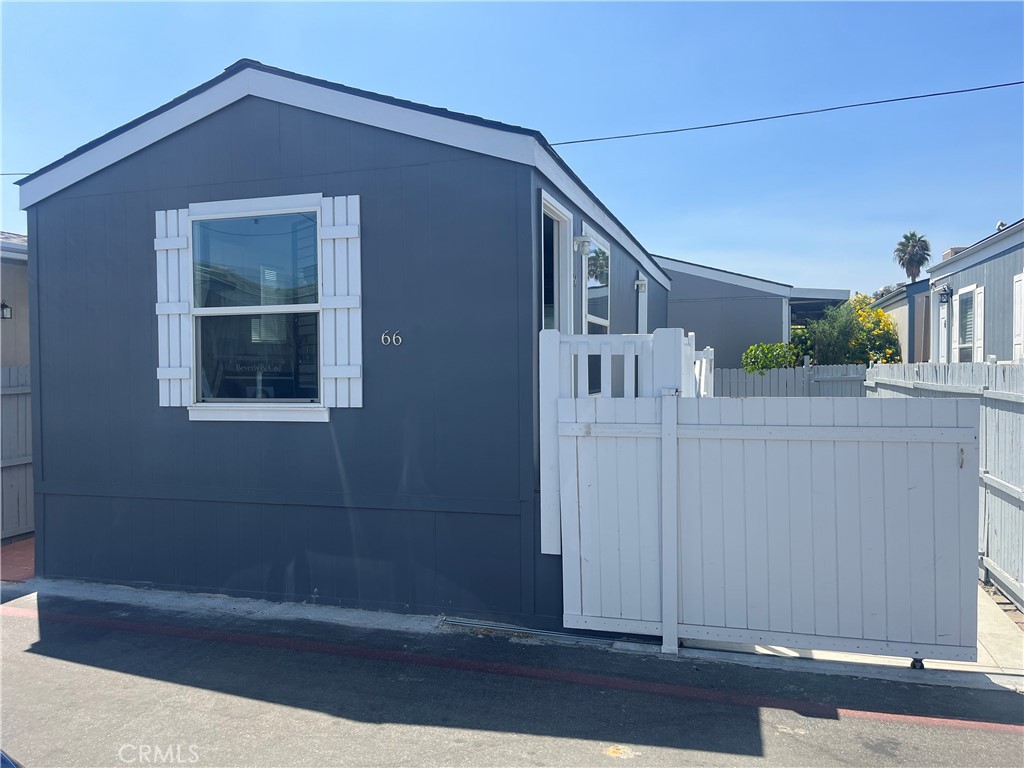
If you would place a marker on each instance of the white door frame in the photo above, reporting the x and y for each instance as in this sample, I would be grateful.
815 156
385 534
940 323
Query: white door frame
563 260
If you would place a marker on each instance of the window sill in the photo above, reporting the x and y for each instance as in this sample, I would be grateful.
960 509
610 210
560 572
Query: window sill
246 412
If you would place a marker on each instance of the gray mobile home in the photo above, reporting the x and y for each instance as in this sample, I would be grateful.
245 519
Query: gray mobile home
730 311
285 341
977 299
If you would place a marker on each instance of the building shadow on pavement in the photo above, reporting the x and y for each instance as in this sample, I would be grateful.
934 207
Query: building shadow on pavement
467 681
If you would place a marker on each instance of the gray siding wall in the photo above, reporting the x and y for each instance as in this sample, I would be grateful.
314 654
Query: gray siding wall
996 276
423 500
727 317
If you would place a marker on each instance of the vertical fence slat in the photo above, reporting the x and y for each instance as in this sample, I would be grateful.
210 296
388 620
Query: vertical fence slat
848 533
780 602
756 519
628 514
823 523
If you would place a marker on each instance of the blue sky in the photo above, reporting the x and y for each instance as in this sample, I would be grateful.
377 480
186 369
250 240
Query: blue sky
816 201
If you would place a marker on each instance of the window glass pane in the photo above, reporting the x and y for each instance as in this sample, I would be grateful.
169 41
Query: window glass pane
253 357
596 328
966 318
548 274
255 261
597 281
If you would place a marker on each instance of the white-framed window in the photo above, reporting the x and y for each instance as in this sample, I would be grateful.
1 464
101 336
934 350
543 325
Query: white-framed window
968 328
258 305
597 263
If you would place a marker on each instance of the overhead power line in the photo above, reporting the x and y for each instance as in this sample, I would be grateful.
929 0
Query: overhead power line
788 114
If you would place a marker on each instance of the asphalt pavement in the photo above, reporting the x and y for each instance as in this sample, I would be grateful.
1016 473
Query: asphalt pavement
144 682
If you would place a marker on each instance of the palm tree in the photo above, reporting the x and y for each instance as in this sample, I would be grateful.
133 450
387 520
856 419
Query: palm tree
912 253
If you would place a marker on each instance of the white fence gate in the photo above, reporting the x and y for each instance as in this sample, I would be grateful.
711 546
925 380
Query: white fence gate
804 381
828 523
16 502
1000 390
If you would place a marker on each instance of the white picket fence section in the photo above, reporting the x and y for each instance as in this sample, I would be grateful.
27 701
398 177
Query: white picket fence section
17 513
1000 390
803 381
828 523
627 371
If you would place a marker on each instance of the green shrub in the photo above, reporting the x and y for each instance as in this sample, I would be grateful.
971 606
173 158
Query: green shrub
854 333
764 357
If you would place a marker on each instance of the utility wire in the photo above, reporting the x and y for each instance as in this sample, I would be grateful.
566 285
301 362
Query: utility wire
761 119
788 114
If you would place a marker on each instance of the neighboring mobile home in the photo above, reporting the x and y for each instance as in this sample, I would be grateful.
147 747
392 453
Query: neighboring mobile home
14 287
15 393
286 339
729 311
909 306
977 299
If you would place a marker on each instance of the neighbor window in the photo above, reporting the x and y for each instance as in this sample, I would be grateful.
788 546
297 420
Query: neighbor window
965 331
257 318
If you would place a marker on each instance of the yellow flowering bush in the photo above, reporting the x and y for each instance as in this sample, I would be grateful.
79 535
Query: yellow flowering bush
877 340
854 333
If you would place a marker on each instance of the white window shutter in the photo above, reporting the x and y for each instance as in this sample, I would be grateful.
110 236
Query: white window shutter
173 308
1018 318
341 339
979 325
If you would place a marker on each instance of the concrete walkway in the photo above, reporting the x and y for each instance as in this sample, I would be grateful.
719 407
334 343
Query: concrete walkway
1000 651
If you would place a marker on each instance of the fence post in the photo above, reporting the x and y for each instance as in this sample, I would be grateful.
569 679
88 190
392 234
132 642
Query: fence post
550 506
670 359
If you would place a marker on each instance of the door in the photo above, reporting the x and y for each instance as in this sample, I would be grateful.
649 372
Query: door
556 269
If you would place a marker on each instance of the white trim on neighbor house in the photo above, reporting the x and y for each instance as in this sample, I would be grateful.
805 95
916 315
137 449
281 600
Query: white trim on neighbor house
494 142
563 256
783 290
980 251
833 294
1017 336
722 276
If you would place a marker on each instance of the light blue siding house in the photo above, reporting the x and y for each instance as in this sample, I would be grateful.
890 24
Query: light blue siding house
977 300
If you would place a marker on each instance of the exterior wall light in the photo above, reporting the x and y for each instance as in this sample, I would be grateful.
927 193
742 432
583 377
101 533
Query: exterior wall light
945 292
6 313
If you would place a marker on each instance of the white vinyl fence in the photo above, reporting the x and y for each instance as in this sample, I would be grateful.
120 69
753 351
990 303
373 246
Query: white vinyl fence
16 452
803 381
1000 389
828 523
627 371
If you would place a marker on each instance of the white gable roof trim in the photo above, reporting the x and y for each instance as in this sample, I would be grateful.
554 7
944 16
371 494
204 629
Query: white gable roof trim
724 276
472 136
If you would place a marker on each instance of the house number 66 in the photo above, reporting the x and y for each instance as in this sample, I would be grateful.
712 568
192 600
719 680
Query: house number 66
391 339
